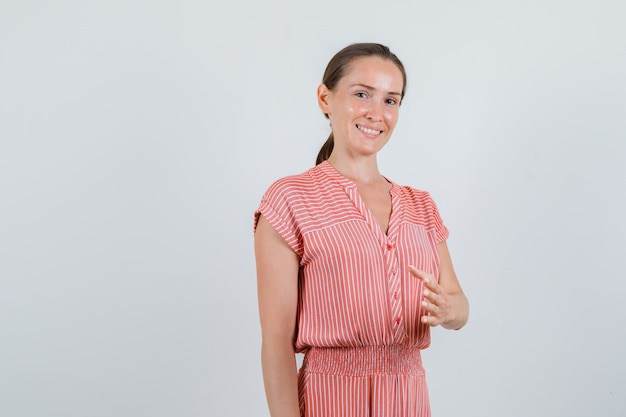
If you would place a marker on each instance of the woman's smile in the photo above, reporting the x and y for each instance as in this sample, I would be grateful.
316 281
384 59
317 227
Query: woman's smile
368 131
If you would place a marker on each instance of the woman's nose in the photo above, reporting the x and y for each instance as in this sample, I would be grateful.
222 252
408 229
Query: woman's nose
374 111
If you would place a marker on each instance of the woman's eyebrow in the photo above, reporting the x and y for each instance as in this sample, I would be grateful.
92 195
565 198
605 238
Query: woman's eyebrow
367 87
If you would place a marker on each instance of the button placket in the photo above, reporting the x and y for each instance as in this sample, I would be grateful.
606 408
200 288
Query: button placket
394 288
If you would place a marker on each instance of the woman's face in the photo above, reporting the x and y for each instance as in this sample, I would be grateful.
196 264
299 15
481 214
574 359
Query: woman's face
363 107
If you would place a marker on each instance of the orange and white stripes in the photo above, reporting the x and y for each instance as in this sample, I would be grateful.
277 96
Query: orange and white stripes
355 291
373 381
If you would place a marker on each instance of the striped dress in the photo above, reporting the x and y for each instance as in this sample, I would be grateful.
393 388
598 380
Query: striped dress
358 318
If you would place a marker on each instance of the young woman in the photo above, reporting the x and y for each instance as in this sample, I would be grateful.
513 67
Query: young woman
353 269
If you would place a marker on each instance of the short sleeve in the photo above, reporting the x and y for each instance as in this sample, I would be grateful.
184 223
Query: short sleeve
279 207
421 209
441 231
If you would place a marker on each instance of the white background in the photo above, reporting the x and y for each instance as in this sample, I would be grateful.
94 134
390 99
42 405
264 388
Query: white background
136 140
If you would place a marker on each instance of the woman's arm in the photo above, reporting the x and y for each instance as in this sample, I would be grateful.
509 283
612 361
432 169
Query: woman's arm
277 277
444 301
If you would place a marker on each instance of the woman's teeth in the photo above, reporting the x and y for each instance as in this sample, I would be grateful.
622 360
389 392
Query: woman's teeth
368 131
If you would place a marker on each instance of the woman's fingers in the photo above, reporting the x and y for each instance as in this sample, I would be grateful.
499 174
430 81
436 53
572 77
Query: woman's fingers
434 301
432 286
418 273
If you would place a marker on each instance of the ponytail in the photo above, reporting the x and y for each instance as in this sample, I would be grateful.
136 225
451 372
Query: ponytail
327 149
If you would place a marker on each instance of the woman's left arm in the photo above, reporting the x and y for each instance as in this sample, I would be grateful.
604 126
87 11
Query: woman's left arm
444 302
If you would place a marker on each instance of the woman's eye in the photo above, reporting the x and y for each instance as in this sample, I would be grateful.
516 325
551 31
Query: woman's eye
361 95
391 101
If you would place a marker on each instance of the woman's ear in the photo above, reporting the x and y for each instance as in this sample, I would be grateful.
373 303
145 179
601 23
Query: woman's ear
322 98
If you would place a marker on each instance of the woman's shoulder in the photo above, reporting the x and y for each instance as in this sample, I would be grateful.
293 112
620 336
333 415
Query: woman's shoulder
293 184
418 202
415 194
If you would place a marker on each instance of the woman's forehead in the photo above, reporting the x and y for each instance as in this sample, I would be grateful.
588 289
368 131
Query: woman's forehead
374 72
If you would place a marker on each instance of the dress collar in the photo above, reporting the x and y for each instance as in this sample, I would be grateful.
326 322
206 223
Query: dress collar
329 171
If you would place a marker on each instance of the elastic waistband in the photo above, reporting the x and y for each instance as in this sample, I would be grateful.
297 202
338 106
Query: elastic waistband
363 361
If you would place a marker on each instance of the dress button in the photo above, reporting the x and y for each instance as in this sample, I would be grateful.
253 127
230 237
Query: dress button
394 270
397 320
396 296
389 246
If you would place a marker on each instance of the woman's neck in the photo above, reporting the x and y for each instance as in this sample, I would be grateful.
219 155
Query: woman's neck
362 170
